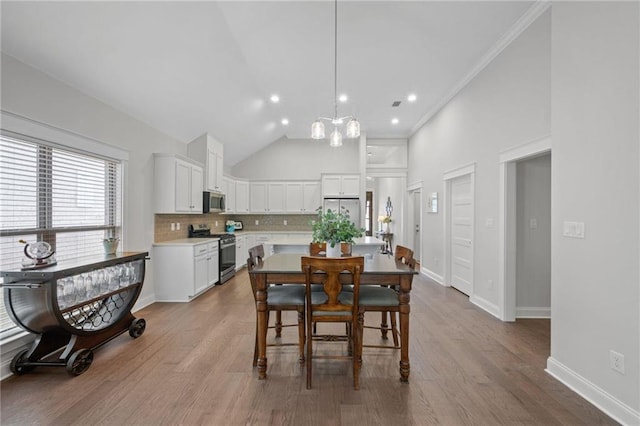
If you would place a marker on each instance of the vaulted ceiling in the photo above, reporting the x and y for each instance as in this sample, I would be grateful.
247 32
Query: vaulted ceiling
187 68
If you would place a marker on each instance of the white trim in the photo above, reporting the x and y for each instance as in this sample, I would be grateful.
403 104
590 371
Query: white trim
484 304
414 186
537 9
28 127
528 149
460 171
429 273
23 340
507 221
533 312
411 219
604 401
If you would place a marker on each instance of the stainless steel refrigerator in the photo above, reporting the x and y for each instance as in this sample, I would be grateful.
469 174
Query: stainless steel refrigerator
351 204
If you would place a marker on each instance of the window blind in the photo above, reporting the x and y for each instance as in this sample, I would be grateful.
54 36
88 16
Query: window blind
69 199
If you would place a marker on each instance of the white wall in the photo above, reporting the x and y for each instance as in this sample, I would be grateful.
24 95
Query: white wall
506 105
595 171
300 159
533 250
33 94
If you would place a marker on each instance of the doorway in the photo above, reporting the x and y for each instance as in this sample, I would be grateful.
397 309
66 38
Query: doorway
533 237
459 241
508 230
414 221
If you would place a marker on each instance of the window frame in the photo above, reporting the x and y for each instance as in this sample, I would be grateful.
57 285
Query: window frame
22 128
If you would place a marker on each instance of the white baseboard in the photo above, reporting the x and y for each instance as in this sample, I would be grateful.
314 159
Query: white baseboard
533 312
437 278
143 303
614 408
24 340
486 305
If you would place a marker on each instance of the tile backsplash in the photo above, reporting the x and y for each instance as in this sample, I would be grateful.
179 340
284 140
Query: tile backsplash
266 223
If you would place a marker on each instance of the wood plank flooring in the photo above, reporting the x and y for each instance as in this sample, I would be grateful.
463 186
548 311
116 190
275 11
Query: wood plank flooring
193 366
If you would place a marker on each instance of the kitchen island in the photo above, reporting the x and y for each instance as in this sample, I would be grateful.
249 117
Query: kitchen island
300 244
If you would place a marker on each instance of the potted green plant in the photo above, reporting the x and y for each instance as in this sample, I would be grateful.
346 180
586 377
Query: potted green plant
334 227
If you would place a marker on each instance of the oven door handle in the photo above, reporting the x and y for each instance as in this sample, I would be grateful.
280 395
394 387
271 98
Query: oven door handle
225 245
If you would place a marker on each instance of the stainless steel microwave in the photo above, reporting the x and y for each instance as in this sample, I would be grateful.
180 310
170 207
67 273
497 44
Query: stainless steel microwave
212 202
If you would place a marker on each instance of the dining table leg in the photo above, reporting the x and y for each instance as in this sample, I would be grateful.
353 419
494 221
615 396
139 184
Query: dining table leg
403 297
261 308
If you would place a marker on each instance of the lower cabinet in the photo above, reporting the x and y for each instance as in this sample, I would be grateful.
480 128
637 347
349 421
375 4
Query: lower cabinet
241 252
184 271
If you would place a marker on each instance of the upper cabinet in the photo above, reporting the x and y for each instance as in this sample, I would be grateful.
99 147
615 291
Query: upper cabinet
340 186
242 196
303 197
229 189
177 184
208 148
267 197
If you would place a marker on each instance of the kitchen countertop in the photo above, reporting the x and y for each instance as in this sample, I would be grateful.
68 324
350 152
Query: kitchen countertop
187 242
305 240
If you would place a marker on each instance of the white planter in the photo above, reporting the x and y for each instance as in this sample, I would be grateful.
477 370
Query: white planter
110 246
333 251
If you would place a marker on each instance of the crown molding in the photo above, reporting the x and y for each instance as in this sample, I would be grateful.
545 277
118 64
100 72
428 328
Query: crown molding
537 9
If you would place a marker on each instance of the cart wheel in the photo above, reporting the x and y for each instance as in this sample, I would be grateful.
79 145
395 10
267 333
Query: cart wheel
79 362
16 366
137 327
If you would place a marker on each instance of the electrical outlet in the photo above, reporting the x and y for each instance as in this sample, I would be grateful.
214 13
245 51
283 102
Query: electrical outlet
178 226
216 223
173 226
533 223
285 222
257 222
616 361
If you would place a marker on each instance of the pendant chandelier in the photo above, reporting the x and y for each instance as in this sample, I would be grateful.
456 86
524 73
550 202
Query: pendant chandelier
353 126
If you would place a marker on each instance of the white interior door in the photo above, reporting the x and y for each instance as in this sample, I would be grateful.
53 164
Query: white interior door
461 224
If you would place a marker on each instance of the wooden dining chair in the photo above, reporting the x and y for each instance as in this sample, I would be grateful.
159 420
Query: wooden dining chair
320 249
384 299
279 298
334 304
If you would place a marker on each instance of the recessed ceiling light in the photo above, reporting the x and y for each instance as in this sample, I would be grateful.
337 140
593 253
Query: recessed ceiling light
412 97
394 121
285 121
343 98
275 99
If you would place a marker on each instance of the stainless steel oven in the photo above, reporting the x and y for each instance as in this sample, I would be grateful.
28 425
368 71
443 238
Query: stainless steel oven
227 256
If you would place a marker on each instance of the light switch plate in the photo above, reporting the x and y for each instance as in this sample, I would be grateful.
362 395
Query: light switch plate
573 229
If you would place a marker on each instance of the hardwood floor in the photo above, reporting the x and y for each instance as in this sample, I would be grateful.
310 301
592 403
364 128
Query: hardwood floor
193 366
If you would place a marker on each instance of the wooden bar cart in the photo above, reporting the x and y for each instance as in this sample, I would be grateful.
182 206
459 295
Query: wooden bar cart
74 307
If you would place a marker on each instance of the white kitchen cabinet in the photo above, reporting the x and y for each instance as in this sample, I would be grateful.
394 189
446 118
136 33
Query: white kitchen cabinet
207 147
258 196
340 186
276 197
303 197
265 240
267 197
249 241
177 184
184 271
229 188
241 252
242 197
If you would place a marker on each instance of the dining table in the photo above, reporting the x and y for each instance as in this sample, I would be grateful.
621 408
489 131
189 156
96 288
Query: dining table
379 269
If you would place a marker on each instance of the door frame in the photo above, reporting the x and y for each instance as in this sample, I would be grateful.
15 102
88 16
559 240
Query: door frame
417 186
468 169
507 220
